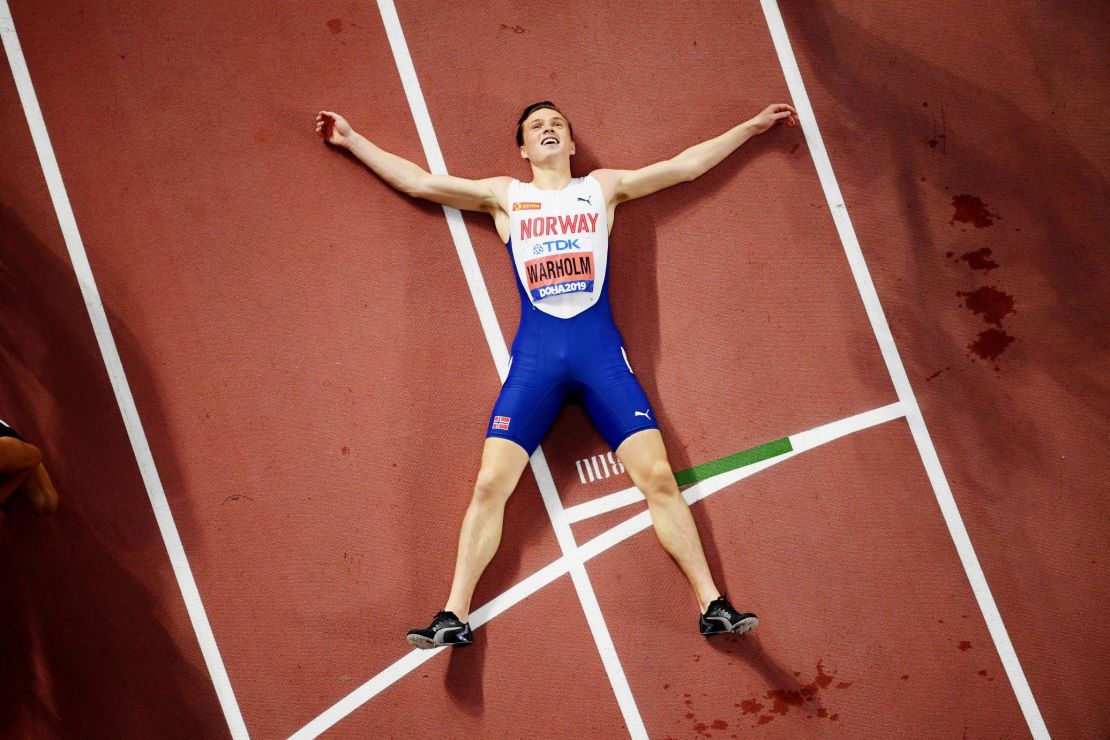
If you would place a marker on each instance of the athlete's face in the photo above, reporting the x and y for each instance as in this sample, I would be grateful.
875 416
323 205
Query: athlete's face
546 136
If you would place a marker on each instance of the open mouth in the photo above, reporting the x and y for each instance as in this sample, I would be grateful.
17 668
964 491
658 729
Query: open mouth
548 140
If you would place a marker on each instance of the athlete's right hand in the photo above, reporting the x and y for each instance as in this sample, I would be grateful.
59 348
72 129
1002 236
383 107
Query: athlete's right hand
333 128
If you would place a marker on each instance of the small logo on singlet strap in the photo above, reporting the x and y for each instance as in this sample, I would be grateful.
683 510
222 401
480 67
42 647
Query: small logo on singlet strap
586 200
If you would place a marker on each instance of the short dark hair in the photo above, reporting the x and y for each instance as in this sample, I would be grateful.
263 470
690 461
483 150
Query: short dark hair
532 109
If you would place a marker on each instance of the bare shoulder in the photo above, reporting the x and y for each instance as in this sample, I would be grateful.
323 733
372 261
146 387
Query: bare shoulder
607 179
610 181
500 187
500 184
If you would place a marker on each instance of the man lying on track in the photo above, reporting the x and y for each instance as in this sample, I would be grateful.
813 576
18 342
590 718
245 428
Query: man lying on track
556 229
22 472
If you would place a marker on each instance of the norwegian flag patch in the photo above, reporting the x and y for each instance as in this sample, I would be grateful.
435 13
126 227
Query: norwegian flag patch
501 422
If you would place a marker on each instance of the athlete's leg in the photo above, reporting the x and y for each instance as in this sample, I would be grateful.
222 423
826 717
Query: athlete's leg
502 463
645 459
18 460
40 491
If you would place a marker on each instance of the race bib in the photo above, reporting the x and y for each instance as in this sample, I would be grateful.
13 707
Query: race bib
563 266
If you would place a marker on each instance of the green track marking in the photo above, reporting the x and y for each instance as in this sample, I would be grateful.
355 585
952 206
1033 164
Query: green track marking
732 462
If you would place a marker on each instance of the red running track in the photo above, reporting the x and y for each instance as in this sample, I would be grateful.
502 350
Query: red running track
311 374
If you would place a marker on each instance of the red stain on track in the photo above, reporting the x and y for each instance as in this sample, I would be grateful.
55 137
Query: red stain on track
980 259
993 305
989 301
514 29
939 133
964 645
972 210
336 25
823 679
938 372
783 699
703 729
990 344
750 706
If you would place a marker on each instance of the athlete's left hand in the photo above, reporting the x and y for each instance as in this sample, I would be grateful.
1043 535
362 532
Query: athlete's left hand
773 114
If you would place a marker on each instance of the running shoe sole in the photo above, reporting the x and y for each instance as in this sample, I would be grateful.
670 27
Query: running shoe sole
423 643
742 627
745 625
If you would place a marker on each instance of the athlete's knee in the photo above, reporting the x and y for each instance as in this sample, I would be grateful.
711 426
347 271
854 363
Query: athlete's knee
658 481
491 488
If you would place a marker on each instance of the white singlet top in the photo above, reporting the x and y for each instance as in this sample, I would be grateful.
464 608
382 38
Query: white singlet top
559 244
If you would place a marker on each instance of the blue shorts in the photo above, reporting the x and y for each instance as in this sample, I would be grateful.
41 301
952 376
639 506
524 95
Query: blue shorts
579 359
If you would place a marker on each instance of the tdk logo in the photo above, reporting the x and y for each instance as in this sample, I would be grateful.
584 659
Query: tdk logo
556 245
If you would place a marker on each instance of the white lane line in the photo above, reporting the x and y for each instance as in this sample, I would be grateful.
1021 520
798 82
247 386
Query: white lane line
799 442
625 700
702 489
530 585
126 402
818 436
898 374
416 658
432 153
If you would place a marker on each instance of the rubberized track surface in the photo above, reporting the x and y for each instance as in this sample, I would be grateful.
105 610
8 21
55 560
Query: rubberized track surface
312 377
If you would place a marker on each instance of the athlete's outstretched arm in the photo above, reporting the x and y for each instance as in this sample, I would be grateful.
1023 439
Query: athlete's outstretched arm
407 177
695 161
